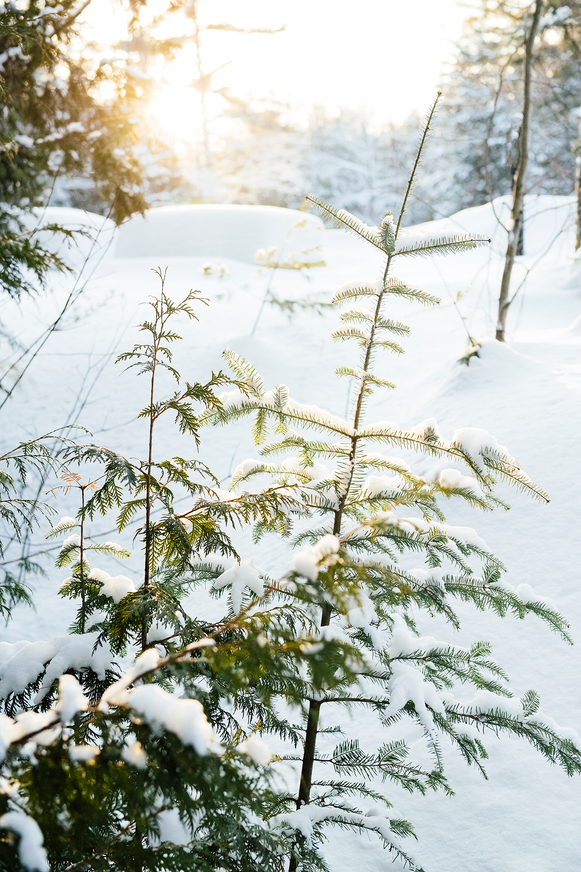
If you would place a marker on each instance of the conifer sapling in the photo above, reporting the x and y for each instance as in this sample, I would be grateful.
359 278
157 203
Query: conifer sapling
373 514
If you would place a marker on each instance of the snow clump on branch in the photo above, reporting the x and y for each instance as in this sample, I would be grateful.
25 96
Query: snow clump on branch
306 562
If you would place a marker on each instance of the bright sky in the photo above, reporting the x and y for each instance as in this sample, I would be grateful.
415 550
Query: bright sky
381 56
385 55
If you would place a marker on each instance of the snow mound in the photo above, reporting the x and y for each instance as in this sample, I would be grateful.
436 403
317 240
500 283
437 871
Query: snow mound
233 232
549 223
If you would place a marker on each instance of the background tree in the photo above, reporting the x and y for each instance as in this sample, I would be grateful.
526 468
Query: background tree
482 111
76 129
55 122
360 166
519 169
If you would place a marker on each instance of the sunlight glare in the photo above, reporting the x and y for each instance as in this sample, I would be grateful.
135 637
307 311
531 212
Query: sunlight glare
177 109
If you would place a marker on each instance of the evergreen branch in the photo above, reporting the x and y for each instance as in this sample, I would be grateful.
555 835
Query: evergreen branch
248 375
275 406
350 333
357 316
512 474
62 527
397 287
308 448
355 290
506 467
345 221
442 245
392 326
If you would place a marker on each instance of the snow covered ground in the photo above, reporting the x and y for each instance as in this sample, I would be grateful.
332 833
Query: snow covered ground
526 392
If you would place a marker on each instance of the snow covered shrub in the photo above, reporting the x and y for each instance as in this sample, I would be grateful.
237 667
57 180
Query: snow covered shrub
140 740
120 755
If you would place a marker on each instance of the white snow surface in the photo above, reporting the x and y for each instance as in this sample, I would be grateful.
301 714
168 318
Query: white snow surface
475 443
84 753
218 231
116 693
382 486
526 393
117 587
25 724
452 479
135 755
306 562
240 576
184 717
408 683
257 749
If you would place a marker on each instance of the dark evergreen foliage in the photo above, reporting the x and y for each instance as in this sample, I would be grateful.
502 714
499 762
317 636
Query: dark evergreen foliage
55 123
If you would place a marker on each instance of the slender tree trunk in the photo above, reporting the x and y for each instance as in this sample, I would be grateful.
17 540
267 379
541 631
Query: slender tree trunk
311 736
519 177
578 191
147 567
202 90
148 491
82 559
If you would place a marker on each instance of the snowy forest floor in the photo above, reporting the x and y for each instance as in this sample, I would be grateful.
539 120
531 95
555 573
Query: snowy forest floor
526 393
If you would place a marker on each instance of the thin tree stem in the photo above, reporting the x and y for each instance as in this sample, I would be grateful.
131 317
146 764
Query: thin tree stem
578 191
312 726
416 165
82 560
159 326
519 177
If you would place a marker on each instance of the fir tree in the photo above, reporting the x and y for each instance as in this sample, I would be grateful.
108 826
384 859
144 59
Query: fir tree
373 511
479 123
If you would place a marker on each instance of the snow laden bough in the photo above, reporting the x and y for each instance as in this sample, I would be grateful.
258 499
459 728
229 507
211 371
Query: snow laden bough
387 561
96 761
172 735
